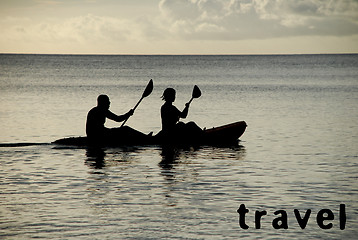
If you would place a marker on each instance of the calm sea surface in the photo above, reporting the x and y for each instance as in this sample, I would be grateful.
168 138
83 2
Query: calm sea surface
299 151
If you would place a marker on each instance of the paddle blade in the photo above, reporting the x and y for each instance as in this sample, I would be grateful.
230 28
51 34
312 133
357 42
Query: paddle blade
148 90
196 92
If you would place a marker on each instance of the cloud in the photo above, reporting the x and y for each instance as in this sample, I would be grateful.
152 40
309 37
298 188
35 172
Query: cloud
78 31
244 19
175 25
198 20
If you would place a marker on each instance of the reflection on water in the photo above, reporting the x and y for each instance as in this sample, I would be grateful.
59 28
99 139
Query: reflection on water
170 155
98 157
95 157
171 160
138 192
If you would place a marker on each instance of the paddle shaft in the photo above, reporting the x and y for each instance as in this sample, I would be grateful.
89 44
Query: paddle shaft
190 100
133 110
148 90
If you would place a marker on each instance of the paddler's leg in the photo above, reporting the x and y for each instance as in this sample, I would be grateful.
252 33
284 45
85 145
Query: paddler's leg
193 125
126 133
192 128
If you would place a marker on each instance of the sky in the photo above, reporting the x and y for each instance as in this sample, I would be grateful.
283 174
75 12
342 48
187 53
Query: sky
179 26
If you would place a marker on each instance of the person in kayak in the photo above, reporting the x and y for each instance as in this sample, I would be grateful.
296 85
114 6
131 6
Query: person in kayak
171 127
96 118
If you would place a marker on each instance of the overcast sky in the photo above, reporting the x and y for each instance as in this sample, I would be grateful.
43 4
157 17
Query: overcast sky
179 26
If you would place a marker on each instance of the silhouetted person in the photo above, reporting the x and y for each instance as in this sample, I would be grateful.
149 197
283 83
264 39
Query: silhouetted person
169 113
98 133
96 118
171 127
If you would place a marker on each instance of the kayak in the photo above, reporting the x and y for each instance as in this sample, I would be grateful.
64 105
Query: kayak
223 135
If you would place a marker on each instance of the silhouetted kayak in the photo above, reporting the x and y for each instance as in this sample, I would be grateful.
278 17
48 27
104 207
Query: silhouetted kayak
224 135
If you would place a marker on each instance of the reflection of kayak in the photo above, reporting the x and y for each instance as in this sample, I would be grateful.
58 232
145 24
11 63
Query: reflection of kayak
223 135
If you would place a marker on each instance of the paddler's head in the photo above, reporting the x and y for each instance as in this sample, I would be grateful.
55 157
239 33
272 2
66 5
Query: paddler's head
103 101
169 95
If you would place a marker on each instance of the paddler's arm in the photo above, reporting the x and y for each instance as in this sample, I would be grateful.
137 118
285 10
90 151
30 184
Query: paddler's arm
119 118
184 113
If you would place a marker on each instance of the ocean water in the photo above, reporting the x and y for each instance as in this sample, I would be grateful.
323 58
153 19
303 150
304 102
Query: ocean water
299 151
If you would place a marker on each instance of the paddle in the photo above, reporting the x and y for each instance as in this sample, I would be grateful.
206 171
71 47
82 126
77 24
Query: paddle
196 93
148 90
